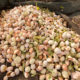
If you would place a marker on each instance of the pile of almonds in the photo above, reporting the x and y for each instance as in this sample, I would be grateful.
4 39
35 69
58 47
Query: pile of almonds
36 41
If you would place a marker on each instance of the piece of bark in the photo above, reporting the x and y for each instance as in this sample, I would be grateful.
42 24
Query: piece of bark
71 25
75 17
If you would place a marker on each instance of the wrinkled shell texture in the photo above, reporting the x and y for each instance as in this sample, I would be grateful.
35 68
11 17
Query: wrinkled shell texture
36 41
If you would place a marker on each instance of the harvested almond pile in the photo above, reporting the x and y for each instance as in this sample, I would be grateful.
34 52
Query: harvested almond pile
35 41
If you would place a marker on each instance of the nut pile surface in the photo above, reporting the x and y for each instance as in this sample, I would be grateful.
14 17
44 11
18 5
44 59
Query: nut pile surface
34 41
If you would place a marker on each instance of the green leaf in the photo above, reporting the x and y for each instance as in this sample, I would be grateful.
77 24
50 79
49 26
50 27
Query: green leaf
37 52
50 51
62 7
37 6
50 78
23 52
23 66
